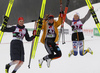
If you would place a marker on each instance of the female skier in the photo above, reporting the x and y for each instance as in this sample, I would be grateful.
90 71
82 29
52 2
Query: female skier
16 45
49 39
77 34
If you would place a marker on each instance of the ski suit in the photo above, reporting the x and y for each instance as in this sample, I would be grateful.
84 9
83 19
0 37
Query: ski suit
50 37
77 34
16 45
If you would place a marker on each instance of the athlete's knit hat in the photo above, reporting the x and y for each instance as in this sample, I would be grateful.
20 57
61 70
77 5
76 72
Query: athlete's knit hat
20 18
50 17
77 14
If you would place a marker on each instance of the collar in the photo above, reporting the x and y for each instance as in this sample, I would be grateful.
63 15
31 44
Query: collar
76 20
21 27
50 24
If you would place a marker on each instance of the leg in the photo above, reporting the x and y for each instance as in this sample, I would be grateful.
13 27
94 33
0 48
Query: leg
17 66
49 49
14 62
81 48
8 65
56 53
57 50
50 52
75 49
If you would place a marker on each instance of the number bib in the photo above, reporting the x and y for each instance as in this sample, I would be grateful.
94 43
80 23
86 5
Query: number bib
50 32
19 33
77 26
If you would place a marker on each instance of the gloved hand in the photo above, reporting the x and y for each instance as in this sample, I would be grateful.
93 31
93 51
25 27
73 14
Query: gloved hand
33 36
92 7
34 32
73 27
46 16
2 29
61 14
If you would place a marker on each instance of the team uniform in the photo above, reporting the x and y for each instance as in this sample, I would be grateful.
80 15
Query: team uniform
16 45
78 36
49 39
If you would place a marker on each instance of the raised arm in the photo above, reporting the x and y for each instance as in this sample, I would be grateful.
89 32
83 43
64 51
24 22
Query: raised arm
87 16
59 22
10 29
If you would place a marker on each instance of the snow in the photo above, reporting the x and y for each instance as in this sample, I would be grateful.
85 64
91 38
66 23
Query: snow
79 64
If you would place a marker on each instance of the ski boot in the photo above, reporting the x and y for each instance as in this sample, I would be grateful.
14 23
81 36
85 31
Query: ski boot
71 52
7 68
48 62
40 62
90 51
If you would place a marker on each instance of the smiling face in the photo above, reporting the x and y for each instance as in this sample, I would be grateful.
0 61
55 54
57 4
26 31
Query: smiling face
51 21
21 22
76 17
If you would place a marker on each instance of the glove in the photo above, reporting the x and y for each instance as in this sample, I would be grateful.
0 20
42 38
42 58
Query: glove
73 27
46 16
34 32
33 37
2 29
92 7
61 14
62 25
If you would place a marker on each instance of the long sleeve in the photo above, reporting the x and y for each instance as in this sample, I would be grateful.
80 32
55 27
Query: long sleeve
83 20
43 24
68 21
27 36
59 22
10 29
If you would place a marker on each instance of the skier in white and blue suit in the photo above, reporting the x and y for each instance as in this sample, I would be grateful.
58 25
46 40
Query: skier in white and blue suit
77 34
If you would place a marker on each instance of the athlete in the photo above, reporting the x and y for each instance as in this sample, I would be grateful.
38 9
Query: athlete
49 39
77 34
16 46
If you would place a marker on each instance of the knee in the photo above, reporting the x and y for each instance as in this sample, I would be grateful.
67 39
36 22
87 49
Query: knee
20 62
75 53
59 54
51 55
16 61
